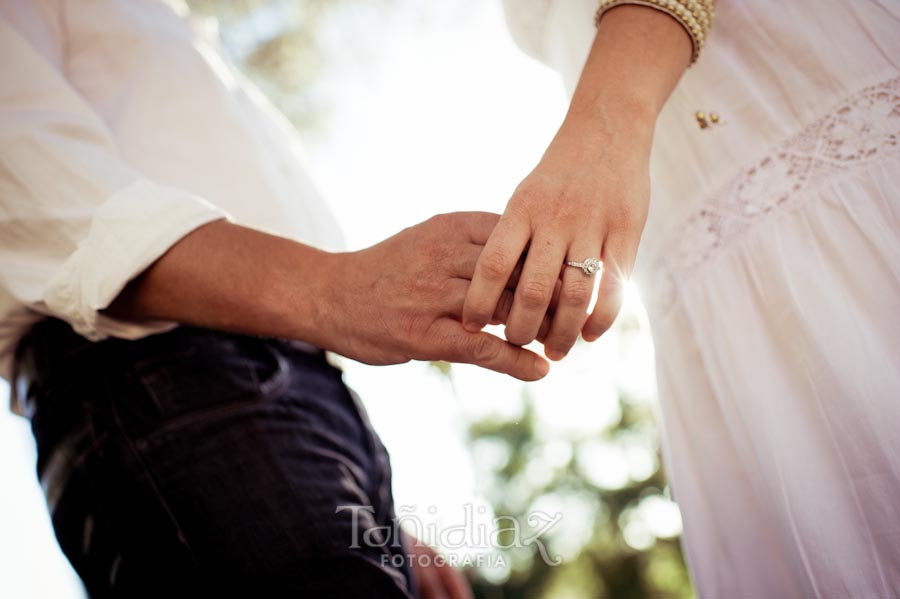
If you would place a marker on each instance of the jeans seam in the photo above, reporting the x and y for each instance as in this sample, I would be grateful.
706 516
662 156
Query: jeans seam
132 446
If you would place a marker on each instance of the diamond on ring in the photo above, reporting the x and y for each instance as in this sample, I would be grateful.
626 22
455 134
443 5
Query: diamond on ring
590 267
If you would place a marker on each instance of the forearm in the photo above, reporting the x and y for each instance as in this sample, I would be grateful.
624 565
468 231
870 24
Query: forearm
589 195
637 58
225 276
395 301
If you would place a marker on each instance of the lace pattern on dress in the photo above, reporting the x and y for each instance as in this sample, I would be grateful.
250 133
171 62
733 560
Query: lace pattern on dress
862 129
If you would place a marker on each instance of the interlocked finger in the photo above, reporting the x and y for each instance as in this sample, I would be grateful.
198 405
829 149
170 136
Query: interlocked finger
574 298
619 253
534 290
495 265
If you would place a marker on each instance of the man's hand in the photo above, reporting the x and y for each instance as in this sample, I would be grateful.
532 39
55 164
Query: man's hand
402 299
399 300
434 577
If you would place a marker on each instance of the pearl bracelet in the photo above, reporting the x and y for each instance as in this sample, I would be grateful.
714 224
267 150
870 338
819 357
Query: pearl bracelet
694 15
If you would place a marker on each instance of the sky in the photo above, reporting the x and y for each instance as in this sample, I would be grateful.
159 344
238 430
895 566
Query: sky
450 118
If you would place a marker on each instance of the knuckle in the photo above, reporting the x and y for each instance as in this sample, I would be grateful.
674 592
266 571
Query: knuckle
601 323
485 350
423 247
575 293
428 290
613 292
442 220
530 192
625 218
443 252
409 327
537 189
494 265
435 249
534 294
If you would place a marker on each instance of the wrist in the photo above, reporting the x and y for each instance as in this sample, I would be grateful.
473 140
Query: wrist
637 58
304 298
613 105
609 136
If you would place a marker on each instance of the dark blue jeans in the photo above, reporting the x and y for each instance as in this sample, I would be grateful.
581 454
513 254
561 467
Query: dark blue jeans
197 462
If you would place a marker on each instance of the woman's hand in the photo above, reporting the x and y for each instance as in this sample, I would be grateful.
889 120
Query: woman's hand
402 299
588 197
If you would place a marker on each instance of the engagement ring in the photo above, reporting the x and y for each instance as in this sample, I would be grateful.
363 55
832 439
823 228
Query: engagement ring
590 267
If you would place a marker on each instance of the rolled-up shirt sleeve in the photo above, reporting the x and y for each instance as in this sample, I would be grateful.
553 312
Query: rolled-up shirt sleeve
77 223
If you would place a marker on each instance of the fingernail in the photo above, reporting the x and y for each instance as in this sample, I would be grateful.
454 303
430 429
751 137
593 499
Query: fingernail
472 327
555 354
542 367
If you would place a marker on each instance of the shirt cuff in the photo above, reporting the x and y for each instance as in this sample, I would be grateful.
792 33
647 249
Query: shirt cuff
128 232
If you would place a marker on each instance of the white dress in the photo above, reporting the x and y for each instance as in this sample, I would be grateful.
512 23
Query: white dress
770 266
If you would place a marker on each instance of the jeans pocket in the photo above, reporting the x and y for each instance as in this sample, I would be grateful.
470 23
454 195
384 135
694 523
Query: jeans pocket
208 375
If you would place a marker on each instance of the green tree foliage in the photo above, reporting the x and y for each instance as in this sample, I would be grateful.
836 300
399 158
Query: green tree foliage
617 537
603 564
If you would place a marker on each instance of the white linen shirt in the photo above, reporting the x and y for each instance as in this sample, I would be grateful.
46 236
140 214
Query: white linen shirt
123 128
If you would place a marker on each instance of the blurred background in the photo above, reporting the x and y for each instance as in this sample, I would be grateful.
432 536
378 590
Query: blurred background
408 109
